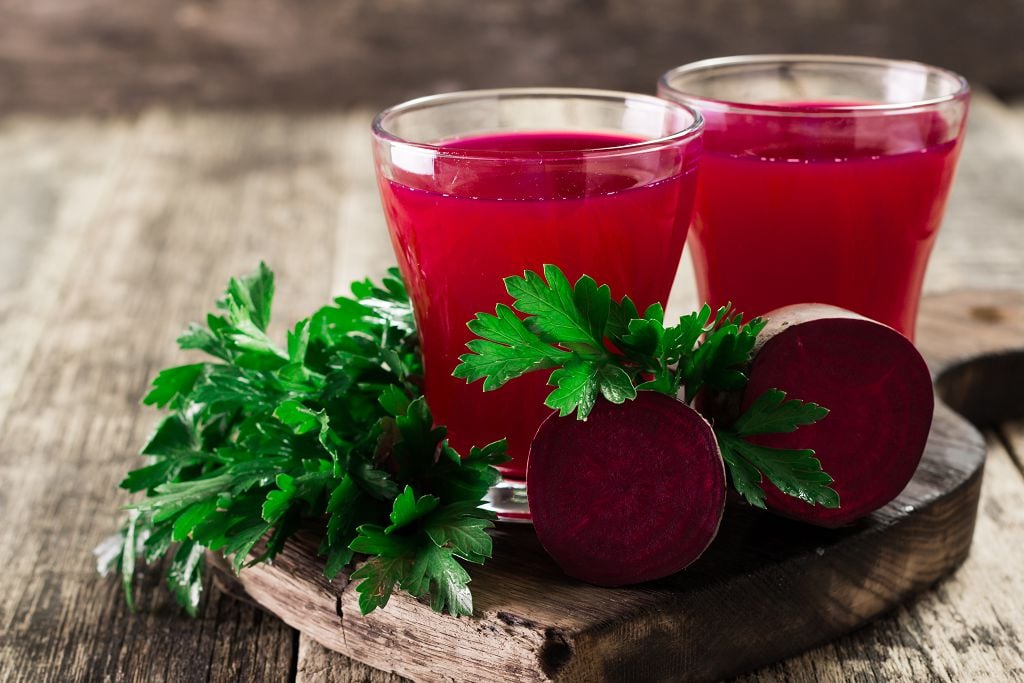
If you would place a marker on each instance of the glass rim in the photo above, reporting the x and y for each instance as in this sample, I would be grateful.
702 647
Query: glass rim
960 89
690 131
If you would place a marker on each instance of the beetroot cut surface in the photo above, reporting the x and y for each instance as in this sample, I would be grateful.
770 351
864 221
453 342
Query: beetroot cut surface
633 494
879 394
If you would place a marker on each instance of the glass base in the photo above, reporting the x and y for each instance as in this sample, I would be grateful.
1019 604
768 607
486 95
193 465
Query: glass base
507 499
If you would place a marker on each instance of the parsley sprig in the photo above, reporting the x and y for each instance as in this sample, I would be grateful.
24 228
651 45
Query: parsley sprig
598 346
331 427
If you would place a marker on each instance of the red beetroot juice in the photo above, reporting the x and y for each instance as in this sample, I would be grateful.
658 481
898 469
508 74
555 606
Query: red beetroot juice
809 207
463 228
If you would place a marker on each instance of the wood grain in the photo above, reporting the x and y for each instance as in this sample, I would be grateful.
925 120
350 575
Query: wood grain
52 179
105 55
981 242
1011 435
979 371
136 222
189 202
317 664
966 629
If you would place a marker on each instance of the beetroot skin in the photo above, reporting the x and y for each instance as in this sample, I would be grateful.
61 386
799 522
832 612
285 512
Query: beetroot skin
879 393
633 494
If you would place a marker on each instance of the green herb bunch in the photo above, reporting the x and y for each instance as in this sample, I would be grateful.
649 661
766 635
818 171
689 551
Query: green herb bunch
330 429
596 345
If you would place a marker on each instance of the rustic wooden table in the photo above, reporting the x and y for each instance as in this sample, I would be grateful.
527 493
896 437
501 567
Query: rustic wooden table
117 232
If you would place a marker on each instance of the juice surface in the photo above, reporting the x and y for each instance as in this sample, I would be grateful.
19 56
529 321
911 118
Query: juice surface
835 210
470 224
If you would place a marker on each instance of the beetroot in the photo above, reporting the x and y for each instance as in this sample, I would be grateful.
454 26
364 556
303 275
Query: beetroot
879 394
633 494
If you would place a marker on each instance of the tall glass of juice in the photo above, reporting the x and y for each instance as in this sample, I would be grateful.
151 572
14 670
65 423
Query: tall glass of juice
823 179
480 185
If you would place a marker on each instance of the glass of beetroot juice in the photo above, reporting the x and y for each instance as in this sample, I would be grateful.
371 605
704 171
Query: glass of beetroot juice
823 179
480 185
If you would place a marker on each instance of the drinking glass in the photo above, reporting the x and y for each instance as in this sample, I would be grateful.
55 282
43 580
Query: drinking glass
823 179
480 185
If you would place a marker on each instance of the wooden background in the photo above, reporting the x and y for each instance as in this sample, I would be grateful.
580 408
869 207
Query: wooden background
115 233
230 131
112 55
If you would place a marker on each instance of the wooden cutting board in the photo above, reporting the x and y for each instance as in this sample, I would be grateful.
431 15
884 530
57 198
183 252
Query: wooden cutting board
767 588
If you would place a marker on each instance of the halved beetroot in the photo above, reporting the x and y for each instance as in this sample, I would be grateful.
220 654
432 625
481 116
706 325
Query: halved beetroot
879 393
633 494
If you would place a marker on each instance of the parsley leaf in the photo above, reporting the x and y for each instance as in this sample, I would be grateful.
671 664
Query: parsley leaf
378 579
407 509
726 348
248 298
771 413
260 439
173 384
576 386
419 552
185 575
508 350
460 526
795 472
554 307
437 572
564 330
598 346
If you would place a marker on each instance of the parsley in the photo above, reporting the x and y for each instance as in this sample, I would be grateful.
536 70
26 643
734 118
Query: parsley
261 439
794 472
599 346
595 346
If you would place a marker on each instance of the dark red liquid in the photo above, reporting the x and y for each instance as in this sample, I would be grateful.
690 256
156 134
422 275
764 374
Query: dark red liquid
461 229
832 209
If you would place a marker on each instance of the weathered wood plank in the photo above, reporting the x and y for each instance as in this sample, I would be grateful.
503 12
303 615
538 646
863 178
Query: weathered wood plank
967 629
317 664
1012 437
50 180
192 199
362 246
981 243
94 205
106 55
